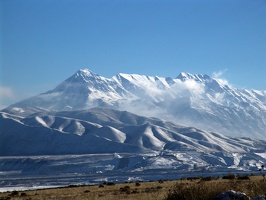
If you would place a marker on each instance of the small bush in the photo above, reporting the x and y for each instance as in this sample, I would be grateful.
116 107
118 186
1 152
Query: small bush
135 191
159 187
160 181
125 189
243 178
229 176
192 178
14 193
23 194
72 186
110 183
137 184
208 178
101 186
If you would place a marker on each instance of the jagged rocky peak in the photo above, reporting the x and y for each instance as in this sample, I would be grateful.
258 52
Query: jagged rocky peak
183 76
83 75
132 77
83 78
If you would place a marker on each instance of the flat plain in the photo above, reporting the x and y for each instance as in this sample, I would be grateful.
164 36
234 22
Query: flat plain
189 188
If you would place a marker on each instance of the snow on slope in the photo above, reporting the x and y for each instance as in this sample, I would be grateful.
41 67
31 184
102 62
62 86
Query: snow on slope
31 137
55 133
189 99
122 141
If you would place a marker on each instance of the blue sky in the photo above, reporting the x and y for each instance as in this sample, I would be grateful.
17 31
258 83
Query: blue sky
43 42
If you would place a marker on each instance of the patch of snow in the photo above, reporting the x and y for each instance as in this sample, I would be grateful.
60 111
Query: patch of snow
21 110
41 121
263 155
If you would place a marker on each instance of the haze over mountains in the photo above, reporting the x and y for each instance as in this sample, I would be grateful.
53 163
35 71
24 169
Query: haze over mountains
190 100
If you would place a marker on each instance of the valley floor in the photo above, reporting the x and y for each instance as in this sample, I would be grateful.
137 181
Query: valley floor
157 190
143 190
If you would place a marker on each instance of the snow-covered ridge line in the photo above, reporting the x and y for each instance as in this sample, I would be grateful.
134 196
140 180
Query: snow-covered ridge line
189 99
108 131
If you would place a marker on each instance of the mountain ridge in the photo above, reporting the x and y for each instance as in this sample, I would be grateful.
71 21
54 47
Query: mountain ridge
189 99
130 143
62 133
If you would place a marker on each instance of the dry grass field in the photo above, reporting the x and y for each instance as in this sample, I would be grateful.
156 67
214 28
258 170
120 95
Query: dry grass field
191 188
143 190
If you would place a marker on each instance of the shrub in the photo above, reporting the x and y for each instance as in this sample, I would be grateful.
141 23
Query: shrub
137 184
229 176
72 186
14 193
243 178
125 189
159 187
110 183
23 194
208 178
160 181
192 178
135 191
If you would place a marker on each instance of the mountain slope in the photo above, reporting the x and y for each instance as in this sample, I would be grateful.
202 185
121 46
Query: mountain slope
191 100
123 140
104 131
31 136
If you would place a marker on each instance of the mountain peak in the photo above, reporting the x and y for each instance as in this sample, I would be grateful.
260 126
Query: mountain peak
85 73
183 76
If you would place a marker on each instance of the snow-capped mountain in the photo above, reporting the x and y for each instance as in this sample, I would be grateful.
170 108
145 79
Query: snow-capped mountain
91 127
191 100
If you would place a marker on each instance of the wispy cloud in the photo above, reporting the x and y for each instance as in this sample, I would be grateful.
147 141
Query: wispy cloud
6 92
219 73
184 87
218 76
7 96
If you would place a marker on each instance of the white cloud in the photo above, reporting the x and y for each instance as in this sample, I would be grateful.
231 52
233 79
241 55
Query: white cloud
219 73
189 85
6 92
222 81
7 96
194 86
218 77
